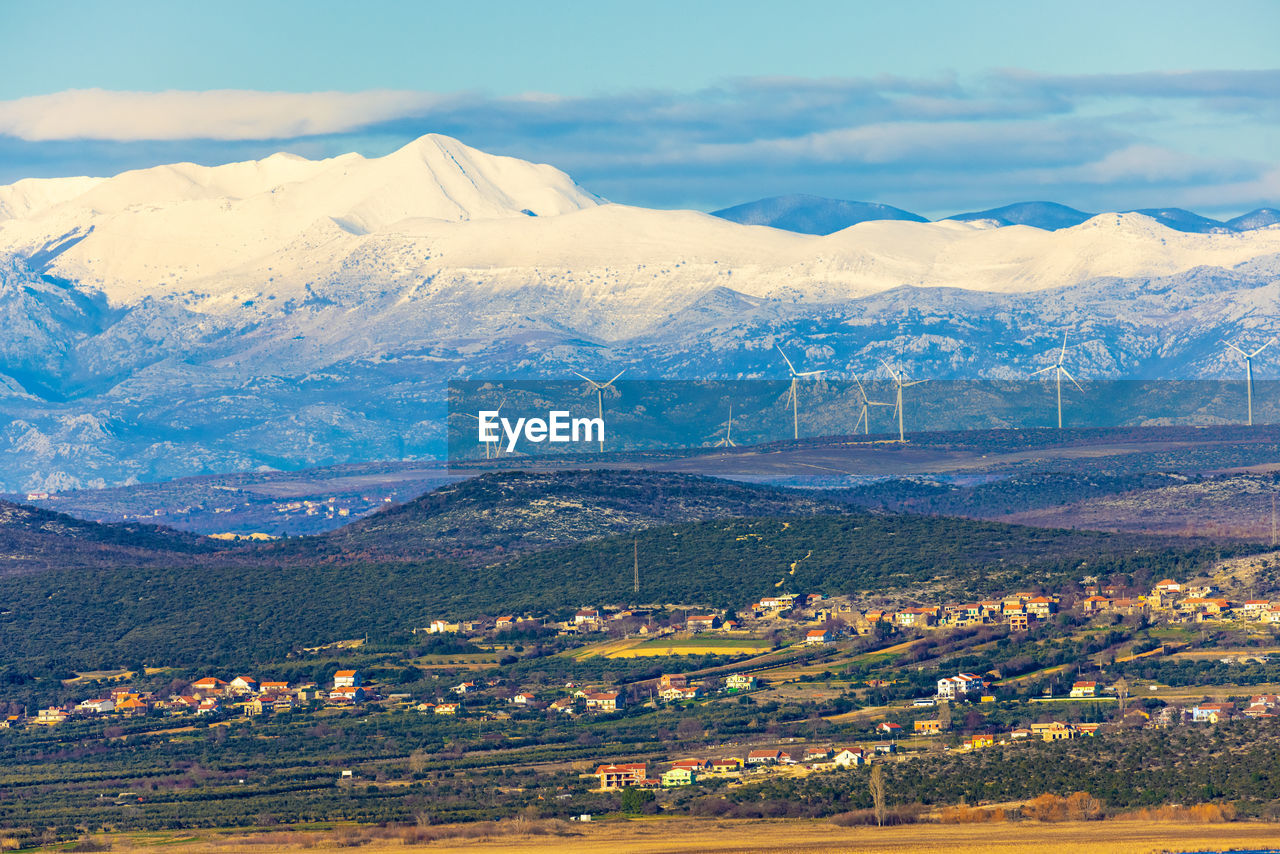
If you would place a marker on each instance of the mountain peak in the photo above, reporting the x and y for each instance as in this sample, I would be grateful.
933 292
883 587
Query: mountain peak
1049 216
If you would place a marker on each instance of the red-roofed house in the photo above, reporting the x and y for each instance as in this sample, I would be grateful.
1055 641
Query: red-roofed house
622 775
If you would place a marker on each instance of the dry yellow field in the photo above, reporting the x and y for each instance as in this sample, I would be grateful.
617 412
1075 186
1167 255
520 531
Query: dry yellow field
687 836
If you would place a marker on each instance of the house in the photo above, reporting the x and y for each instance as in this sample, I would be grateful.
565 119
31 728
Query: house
960 685
1042 606
347 694
850 758
522 699
208 706
96 707
273 687
586 615
464 688
764 757
1019 622
736 682
52 715
243 685
347 679
1168 586
209 685
1263 706
702 623
726 765
976 742
674 694
425 706
928 726
1019 733
817 636
564 704
1095 604
776 603
672 680
680 777
693 764
440 627
817 754
132 707
1084 689
889 728
1212 712
604 702
620 776
446 709
1255 608
505 623
1053 731
910 618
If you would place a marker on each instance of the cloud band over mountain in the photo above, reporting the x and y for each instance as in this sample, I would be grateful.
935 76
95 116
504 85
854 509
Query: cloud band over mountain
934 144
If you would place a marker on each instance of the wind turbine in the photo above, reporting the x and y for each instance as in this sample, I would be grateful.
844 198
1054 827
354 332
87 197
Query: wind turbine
864 417
727 441
490 448
1059 373
1248 370
600 387
899 384
792 397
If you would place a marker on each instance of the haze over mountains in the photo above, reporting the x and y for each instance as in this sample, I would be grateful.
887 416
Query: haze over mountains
287 312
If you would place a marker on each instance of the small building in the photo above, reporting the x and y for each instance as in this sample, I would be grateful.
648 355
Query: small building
680 777
848 758
447 709
1053 731
347 679
702 623
522 699
764 757
736 682
1212 712
605 701
929 726
243 685
208 686
1084 689
726 765
620 776
888 728
96 707
817 754
817 636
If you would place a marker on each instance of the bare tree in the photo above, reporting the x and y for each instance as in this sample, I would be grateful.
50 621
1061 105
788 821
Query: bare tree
944 716
1122 691
877 792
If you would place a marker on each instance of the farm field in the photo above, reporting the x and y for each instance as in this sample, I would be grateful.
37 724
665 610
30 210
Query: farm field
678 836
687 645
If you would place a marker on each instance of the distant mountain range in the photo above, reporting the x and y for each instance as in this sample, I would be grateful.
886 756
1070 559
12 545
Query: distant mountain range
284 313
818 215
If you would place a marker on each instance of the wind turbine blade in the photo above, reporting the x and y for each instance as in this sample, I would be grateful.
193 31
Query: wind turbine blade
1237 349
612 381
790 366
1270 341
913 382
811 373
891 371
1045 370
1067 374
1063 354
594 384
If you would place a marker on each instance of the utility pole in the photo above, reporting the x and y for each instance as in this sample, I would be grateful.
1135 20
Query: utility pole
1273 520
635 554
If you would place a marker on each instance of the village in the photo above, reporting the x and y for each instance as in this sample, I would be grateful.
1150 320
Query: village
769 643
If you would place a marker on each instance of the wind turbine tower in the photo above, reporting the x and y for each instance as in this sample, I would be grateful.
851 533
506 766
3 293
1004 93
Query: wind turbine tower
792 397
727 441
900 383
1248 370
1059 373
600 387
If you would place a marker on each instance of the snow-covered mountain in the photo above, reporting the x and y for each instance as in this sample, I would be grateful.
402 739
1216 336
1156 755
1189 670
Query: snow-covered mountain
288 312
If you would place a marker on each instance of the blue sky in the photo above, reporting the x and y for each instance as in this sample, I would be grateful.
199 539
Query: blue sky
937 107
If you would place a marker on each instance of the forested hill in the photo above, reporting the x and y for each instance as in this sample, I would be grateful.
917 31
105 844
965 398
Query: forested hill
489 517
32 540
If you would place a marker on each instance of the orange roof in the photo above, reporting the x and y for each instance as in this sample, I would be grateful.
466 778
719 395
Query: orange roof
344 673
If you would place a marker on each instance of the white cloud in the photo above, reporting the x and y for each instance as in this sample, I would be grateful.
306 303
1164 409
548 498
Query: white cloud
222 114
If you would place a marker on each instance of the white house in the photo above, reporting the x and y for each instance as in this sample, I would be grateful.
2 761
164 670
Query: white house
347 679
850 758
